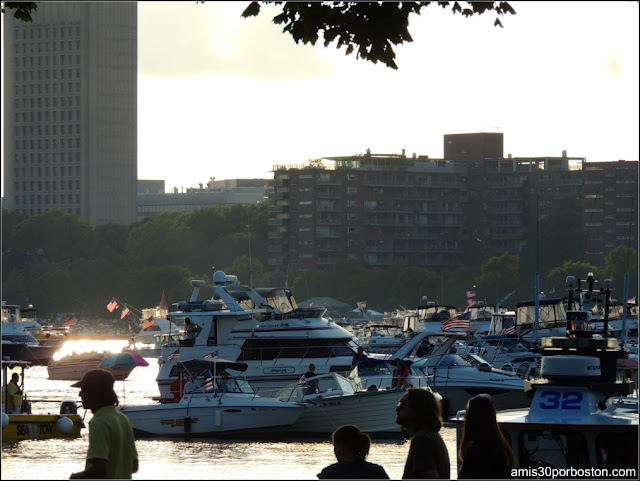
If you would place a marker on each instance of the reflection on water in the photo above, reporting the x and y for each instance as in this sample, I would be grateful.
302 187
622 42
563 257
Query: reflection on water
79 346
177 459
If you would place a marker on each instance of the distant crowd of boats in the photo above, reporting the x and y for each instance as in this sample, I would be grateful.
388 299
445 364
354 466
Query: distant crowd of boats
558 361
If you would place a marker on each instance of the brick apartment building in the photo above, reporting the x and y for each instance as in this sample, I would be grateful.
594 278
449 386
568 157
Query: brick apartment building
434 213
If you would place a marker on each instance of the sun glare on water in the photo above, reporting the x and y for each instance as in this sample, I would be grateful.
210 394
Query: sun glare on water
80 346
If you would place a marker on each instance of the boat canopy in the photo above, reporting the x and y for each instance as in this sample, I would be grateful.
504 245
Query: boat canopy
197 366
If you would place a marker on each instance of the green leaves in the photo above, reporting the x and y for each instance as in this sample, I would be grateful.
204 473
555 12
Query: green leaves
371 29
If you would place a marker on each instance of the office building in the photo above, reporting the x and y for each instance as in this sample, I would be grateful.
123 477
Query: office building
70 100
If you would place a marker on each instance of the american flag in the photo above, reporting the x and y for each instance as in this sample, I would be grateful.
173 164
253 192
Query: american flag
460 321
208 382
212 355
362 304
302 380
125 312
113 305
148 323
508 327
174 355
471 294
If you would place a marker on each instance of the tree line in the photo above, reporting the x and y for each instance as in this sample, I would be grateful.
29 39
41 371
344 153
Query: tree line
59 263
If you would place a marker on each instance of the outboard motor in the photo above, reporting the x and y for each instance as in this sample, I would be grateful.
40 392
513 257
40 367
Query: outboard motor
68 407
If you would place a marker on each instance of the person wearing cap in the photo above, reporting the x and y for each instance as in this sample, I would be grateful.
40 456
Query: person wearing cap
112 451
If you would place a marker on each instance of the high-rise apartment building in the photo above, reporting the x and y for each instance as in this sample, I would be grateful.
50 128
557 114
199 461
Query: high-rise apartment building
70 111
436 213
610 208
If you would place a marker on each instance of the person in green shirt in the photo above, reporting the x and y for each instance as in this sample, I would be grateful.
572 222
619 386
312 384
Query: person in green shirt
112 452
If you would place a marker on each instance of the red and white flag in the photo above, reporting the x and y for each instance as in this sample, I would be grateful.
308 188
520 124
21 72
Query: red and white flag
113 305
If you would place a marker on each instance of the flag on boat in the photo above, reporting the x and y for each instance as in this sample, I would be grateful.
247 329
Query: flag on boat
148 323
212 355
632 301
302 380
163 301
509 326
70 322
471 298
174 355
113 305
362 304
208 381
125 312
461 321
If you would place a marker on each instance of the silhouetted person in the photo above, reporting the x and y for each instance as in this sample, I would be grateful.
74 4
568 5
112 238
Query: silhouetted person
419 412
351 447
484 451
112 451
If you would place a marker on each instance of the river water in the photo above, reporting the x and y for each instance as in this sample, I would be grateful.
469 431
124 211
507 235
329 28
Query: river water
178 459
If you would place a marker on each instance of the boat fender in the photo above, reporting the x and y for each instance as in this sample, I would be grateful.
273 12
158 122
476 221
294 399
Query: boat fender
218 418
64 424
5 420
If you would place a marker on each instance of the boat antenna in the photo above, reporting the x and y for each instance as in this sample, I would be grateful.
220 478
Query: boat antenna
249 236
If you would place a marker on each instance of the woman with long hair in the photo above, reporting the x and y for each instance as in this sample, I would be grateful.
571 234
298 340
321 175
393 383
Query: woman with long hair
484 451
419 412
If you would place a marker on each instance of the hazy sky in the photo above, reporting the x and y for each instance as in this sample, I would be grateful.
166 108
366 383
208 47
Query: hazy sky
226 97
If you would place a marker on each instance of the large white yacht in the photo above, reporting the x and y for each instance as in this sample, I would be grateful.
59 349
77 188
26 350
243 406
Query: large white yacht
263 328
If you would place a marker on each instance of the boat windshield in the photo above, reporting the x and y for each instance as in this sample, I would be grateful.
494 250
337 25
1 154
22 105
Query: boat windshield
446 360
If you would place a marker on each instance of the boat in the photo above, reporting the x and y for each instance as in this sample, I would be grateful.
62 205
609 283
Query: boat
480 314
334 402
503 351
552 318
583 415
75 365
26 425
153 349
220 405
580 416
262 327
26 347
457 378
428 316
382 338
375 373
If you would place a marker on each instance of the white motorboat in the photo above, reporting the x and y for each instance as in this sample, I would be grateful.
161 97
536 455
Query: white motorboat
14 332
503 351
457 379
382 338
333 402
428 316
26 425
580 417
219 405
552 318
75 365
378 373
263 328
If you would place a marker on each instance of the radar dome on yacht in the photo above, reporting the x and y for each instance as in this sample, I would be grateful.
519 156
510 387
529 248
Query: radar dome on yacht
219 278
563 366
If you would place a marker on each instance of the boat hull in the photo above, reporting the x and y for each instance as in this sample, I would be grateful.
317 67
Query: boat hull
72 370
374 412
39 426
210 417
